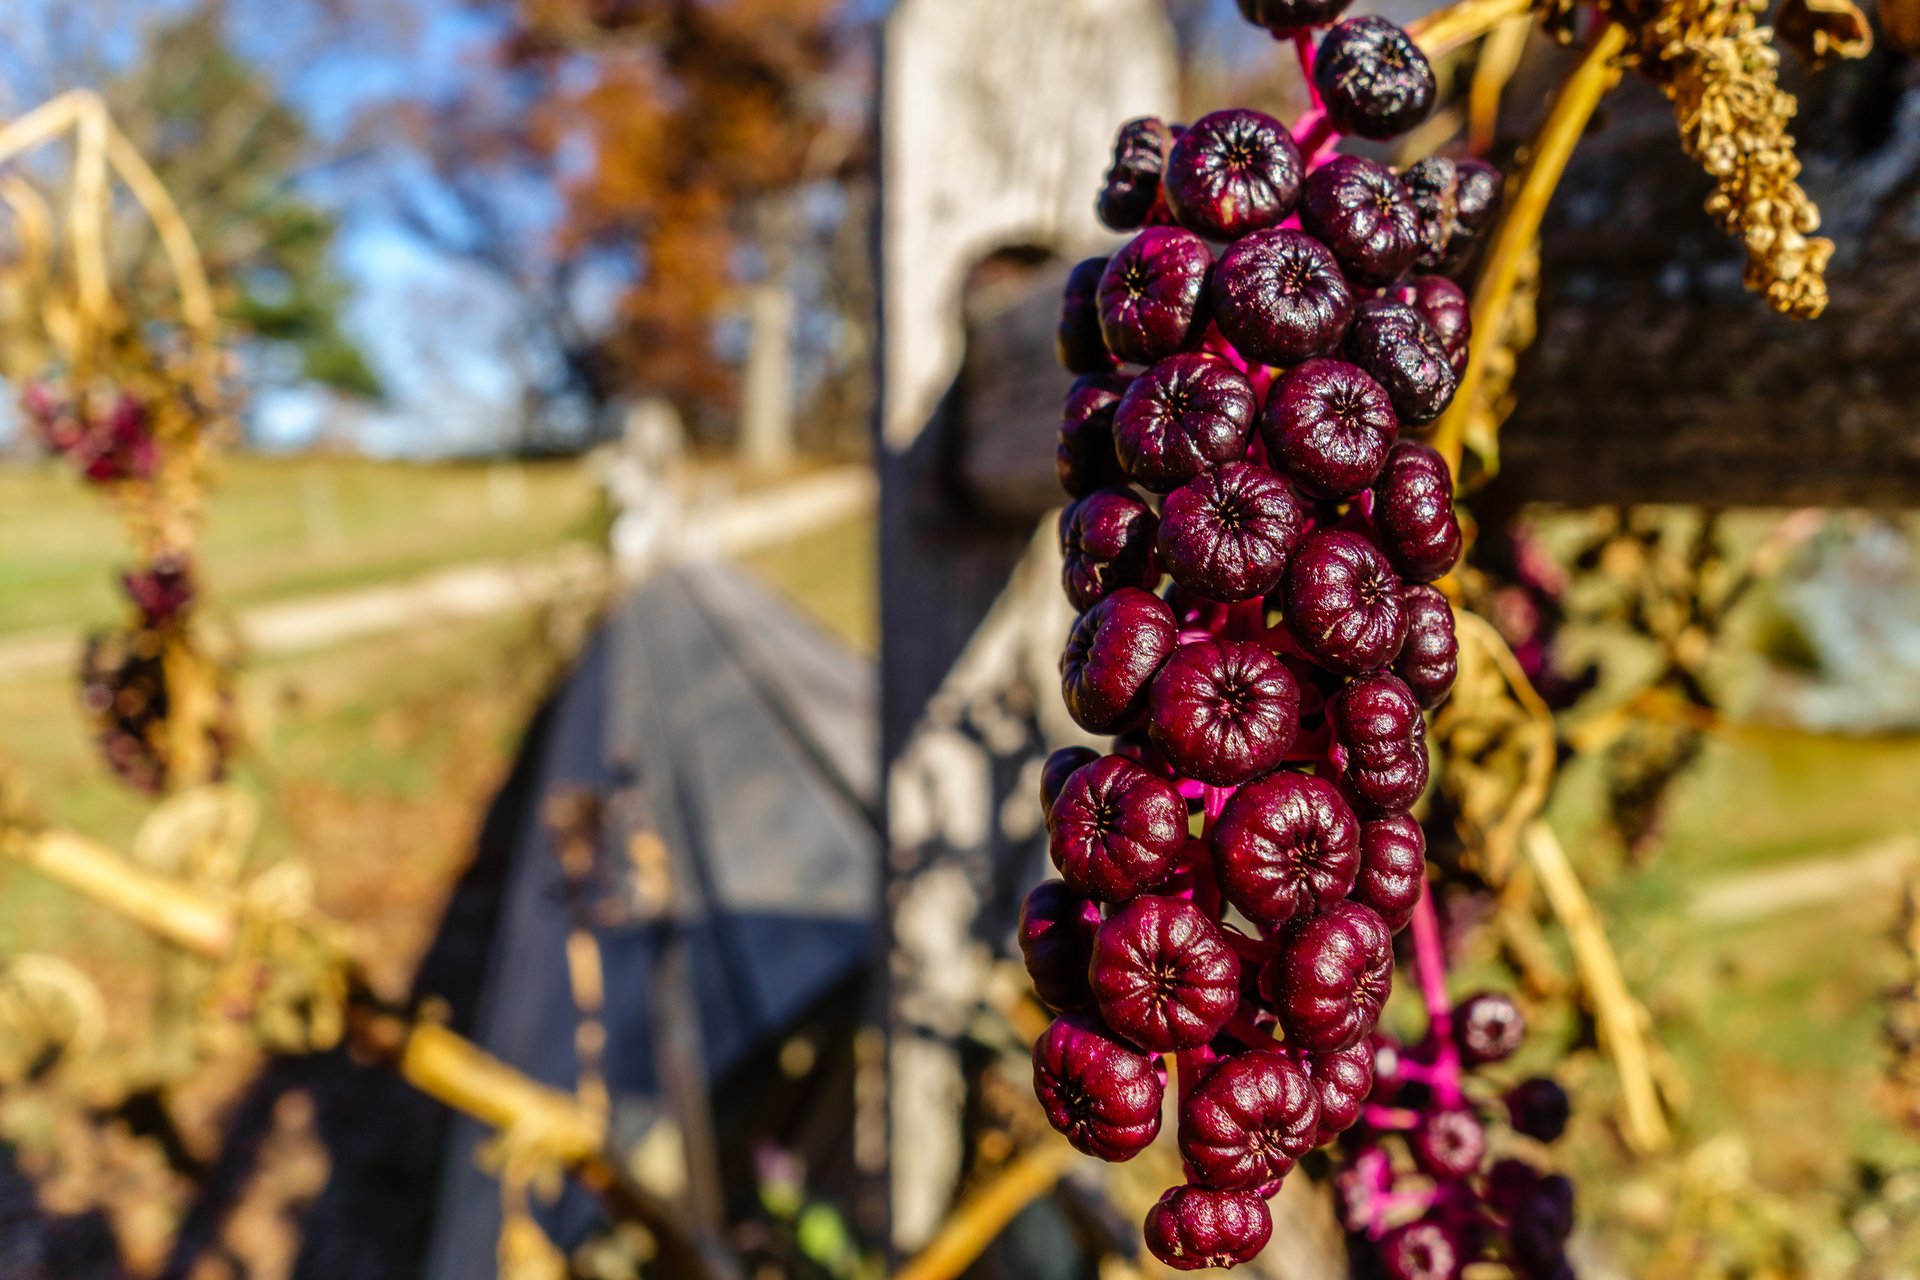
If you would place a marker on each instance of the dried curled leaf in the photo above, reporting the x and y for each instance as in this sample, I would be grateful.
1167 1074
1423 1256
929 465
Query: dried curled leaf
1821 30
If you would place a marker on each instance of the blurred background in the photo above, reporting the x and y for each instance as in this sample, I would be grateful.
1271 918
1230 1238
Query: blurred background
629 533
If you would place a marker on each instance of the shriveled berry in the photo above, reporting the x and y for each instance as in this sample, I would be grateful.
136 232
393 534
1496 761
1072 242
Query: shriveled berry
1449 1143
1279 297
1283 17
1413 510
1116 829
1331 976
1103 1095
1393 868
1422 1250
1163 974
1133 179
1058 767
1373 78
1343 603
1153 295
1084 459
1232 172
1111 654
1286 846
1056 940
1432 185
1224 711
1392 342
1193 1228
1430 659
1379 723
1248 1120
1488 1027
1228 533
1477 194
1329 425
1342 1081
1186 414
1076 339
1539 1108
1106 543
1358 209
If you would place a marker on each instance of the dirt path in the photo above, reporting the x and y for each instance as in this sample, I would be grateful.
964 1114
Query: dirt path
1754 895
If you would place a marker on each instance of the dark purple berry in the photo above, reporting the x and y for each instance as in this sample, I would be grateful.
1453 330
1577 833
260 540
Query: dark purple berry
1248 1120
1342 1082
1449 1143
1188 413
1413 511
1392 342
1077 340
1488 1027
162 591
1373 78
1343 603
1116 829
1153 295
1111 654
1376 719
1106 543
1133 180
1444 306
1286 846
1232 172
1421 1250
1163 974
1393 868
1430 659
1358 209
1084 459
1105 1096
1193 1228
1224 711
1539 1108
1279 297
1539 1213
1228 534
1330 978
1059 766
1329 425
1056 940
1456 200
1284 17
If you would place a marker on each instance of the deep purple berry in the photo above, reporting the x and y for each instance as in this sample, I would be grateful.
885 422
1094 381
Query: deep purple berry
1116 829
1193 1228
1105 1096
1279 297
1433 184
1413 511
1430 659
1232 172
1224 711
1188 413
1393 343
162 591
1283 17
1163 974
1538 1209
1133 180
1449 1143
1286 846
1084 459
1421 1250
1343 603
1342 1081
1329 425
1488 1027
1248 1120
1373 78
1228 534
1106 543
1153 295
1076 339
1393 868
1358 209
1331 976
1379 723
1539 1108
1056 940
1058 767
1444 306
1111 654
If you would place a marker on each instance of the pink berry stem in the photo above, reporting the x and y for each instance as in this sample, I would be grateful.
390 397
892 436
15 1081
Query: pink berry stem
1303 49
1430 963
1242 1027
1188 1066
1379 1117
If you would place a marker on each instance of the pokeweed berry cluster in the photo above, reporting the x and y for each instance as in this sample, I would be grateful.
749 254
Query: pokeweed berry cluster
108 444
1238 865
1421 1196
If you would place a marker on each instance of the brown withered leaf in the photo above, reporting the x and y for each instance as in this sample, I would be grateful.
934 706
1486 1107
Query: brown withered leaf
1820 30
